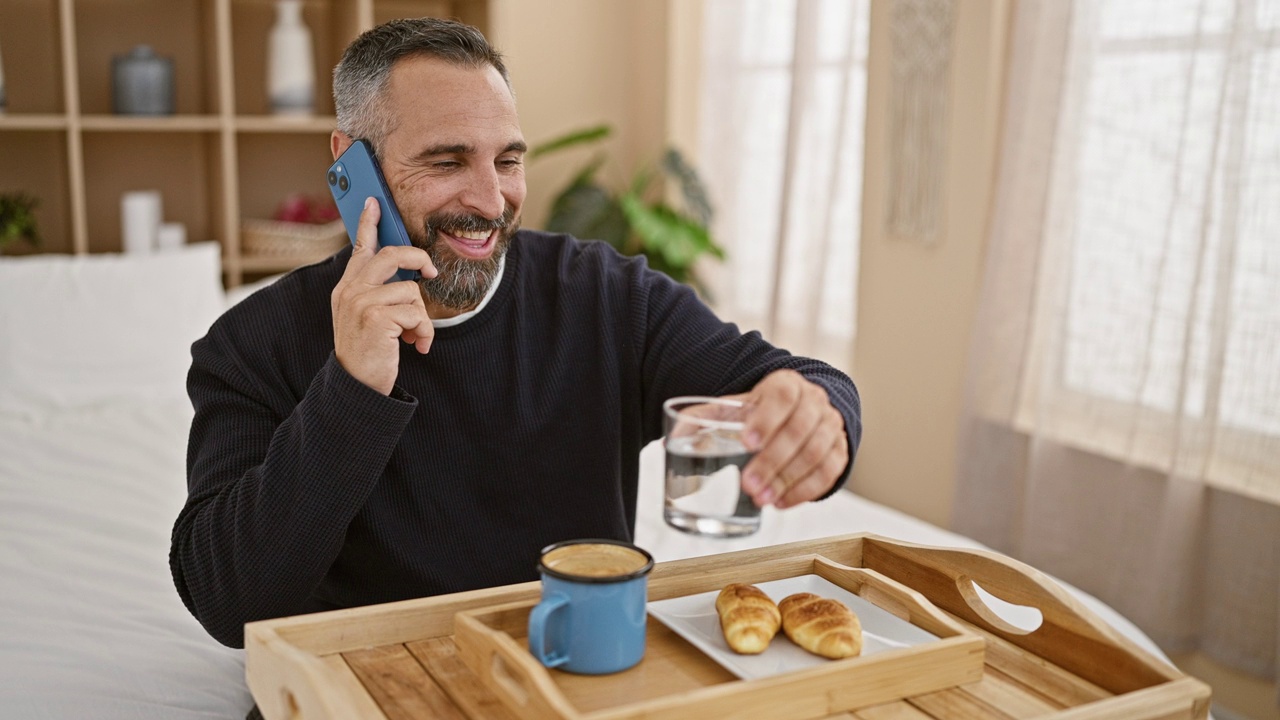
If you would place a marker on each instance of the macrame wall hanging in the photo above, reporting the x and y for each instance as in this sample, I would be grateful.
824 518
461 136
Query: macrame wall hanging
921 69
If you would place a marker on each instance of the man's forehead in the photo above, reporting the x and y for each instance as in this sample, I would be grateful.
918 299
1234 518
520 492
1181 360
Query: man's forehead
419 74
451 103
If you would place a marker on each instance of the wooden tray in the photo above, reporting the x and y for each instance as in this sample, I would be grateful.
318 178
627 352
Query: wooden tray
676 680
400 660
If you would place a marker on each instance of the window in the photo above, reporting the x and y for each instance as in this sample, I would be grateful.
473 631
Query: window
781 147
1167 201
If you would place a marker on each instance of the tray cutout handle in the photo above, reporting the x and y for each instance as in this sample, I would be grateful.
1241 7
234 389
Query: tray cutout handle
889 595
1070 635
509 683
522 684
999 613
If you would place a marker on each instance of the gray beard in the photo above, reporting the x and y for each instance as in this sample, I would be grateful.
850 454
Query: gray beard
461 283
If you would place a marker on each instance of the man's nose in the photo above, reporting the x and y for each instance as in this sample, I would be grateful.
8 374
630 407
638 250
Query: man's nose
483 194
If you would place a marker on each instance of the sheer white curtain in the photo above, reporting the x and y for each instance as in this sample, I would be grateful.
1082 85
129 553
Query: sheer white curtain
783 102
1123 421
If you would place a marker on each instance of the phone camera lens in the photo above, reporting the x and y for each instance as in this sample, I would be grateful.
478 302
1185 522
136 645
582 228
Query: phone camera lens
342 183
333 178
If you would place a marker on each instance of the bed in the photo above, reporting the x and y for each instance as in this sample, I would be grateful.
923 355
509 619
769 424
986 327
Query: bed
93 421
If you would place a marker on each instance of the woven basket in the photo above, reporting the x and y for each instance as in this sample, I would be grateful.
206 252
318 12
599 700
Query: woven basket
273 238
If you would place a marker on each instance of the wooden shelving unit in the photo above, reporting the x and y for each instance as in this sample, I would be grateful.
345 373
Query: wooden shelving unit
221 158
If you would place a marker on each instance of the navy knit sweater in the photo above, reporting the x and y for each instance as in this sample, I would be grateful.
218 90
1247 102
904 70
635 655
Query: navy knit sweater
310 491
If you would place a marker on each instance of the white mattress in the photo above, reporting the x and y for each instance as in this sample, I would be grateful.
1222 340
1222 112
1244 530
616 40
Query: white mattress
90 623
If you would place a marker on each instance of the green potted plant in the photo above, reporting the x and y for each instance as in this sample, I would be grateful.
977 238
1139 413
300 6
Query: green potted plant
18 219
636 221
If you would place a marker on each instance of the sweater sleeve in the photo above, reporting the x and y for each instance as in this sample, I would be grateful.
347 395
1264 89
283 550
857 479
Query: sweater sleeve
687 350
273 483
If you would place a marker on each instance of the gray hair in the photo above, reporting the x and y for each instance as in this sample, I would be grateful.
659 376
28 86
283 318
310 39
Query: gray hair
360 78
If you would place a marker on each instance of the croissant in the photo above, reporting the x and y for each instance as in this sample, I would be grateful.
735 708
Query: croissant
821 625
748 618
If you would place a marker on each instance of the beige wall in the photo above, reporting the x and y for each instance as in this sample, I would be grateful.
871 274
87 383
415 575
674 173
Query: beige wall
576 63
916 303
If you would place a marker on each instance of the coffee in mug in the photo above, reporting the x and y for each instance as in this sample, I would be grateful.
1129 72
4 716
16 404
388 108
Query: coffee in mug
591 619
594 560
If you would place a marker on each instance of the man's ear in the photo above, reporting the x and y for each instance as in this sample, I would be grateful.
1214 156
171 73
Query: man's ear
339 142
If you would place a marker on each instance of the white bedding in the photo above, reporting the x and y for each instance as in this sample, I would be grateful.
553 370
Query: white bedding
90 483
91 625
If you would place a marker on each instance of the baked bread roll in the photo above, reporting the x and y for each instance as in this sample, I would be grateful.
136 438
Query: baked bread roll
821 625
748 618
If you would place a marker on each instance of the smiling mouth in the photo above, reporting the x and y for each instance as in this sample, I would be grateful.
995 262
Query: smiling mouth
474 244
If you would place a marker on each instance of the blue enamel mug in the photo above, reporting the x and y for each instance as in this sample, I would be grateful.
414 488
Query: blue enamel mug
591 619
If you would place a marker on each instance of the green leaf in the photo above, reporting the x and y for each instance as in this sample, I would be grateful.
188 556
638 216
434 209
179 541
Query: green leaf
18 219
691 186
678 239
575 137
587 174
587 211
640 183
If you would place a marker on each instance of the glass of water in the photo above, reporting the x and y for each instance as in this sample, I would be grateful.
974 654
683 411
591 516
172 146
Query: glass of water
705 456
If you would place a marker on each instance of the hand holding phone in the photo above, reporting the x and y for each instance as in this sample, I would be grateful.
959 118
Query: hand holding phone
352 178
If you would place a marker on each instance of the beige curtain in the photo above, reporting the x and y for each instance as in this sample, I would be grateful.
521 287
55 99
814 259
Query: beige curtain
782 108
1123 406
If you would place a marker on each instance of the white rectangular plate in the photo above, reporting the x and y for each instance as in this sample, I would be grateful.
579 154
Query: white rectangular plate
694 618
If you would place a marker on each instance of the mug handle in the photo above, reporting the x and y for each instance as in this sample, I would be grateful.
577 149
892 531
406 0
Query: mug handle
537 629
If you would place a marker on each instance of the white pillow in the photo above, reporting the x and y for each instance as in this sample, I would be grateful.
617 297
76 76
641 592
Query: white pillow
83 330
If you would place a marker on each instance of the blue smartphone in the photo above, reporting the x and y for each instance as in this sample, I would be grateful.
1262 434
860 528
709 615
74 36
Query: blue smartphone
355 176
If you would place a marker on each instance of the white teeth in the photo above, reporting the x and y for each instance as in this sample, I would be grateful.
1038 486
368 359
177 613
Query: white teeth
478 236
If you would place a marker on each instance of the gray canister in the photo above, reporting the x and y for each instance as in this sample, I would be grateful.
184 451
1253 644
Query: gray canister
141 83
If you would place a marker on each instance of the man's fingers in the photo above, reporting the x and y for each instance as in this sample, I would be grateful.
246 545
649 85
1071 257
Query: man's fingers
772 401
814 451
798 438
776 427
377 264
383 266
817 482
362 296
367 231
409 323
793 487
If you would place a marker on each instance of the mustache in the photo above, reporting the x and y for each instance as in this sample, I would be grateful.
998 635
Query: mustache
467 222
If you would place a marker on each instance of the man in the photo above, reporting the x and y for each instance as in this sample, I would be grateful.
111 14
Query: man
359 441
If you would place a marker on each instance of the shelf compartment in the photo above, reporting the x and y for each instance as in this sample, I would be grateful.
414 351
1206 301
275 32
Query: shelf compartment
183 31
30 40
265 181
251 22
183 166
35 163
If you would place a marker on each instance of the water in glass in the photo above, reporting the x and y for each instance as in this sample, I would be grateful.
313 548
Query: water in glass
704 485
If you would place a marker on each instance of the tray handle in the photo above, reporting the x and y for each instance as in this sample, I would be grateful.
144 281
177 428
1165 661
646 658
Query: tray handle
889 595
1070 634
289 684
519 681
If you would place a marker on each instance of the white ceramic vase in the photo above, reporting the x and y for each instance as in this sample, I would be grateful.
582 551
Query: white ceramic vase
291 77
